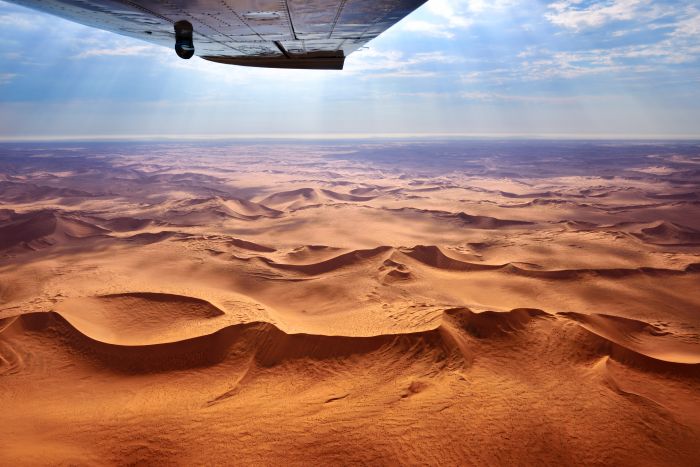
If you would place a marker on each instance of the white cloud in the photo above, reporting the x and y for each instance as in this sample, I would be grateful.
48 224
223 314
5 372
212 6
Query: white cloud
689 25
21 21
494 97
549 66
120 51
572 14
395 64
6 78
444 17
461 12
454 13
427 28
676 43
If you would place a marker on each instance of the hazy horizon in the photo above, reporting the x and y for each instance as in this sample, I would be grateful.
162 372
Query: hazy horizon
415 137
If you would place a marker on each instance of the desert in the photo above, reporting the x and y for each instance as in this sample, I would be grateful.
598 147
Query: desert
379 302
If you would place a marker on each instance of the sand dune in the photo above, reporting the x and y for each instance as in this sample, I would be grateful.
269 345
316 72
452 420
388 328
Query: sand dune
433 256
392 303
44 228
644 339
545 194
115 348
689 195
668 233
215 209
341 261
578 225
139 318
108 329
19 192
486 222
492 323
293 199
153 237
125 224
246 245
347 197
544 202
366 191
309 253
467 220
301 197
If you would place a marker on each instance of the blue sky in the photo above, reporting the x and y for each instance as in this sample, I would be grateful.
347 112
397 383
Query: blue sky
578 68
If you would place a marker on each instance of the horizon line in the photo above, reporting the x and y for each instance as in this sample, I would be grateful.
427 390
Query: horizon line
348 136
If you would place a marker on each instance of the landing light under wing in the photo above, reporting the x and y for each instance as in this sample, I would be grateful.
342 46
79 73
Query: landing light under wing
315 34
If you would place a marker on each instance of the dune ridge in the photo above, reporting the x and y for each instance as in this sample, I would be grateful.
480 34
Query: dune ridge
633 342
433 256
22 192
214 209
40 229
341 261
140 317
267 343
304 197
669 233
125 224
640 339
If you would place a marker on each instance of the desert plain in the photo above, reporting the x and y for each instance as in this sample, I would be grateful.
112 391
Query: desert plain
350 302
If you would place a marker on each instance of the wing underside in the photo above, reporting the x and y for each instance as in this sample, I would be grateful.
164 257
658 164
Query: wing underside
268 33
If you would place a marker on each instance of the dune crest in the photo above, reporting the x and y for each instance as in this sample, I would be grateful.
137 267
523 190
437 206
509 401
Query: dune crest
668 233
41 229
641 338
139 318
214 209
303 197
344 260
129 341
267 344
435 257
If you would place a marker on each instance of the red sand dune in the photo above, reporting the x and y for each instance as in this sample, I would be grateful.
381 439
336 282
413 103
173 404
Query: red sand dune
44 228
337 310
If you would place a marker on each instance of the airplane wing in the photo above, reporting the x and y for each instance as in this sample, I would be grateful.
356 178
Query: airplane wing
316 34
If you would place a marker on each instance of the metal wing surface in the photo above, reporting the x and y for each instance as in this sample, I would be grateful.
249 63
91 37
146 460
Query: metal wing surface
267 33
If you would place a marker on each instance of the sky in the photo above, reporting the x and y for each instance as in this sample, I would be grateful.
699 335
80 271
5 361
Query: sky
530 68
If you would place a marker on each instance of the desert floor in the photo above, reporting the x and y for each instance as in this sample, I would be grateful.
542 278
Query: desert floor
471 303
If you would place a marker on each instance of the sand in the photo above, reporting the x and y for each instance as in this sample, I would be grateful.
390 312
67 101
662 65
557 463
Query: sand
463 303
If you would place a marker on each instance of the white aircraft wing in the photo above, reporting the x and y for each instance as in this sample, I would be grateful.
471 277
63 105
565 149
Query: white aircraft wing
266 33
